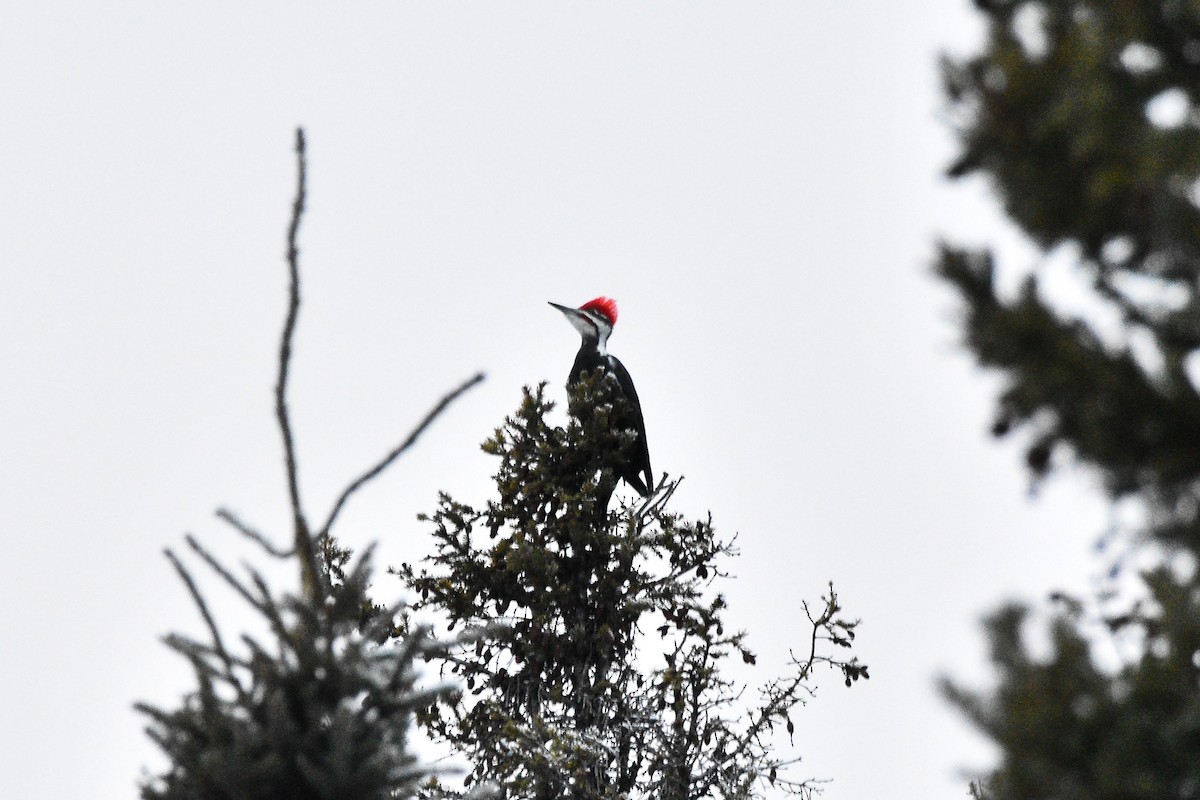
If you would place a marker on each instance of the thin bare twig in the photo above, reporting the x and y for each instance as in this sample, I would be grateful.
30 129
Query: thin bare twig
658 498
310 573
239 587
252 534
289 328
218 643
374 471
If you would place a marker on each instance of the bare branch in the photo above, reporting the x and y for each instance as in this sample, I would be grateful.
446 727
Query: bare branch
252 534
658 498
309 569
289 328
229 578
374 471
218 644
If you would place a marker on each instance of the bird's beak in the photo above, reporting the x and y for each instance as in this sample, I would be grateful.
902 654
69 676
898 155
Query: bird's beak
579 320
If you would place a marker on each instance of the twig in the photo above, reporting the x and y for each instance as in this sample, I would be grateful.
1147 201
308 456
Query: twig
289 328
374 471
253 535
223 572
659 497
310 574
177 641
214 631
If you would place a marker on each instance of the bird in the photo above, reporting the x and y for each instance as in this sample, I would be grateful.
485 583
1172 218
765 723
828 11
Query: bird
595 320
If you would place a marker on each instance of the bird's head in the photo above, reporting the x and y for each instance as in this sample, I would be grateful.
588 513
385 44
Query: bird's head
594 319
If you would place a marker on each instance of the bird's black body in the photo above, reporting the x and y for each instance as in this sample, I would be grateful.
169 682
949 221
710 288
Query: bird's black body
594 321
637 472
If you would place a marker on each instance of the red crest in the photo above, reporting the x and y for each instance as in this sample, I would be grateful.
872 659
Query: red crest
604 306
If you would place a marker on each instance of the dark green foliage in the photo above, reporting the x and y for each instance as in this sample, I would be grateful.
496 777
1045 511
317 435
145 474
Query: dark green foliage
600 672
319 711
1064 112
1139 428
1054 112
1070 729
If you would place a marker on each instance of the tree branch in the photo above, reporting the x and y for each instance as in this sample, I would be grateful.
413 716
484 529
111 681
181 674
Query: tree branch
218 644
310 574
374 471
253 535
289 328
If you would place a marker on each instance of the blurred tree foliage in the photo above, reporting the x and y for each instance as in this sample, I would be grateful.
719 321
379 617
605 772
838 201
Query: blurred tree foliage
600 665
321 705
316 710
1083 115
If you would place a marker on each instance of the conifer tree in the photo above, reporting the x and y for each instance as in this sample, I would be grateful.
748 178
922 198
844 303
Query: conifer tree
1083 115
599 663
322 707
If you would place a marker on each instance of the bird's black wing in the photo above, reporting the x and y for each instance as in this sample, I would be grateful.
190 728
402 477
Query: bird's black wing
639 452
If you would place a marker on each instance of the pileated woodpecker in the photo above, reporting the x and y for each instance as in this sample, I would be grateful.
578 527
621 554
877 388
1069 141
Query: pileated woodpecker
595 320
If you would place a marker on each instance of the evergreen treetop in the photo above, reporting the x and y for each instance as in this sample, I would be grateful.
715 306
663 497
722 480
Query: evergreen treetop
599 668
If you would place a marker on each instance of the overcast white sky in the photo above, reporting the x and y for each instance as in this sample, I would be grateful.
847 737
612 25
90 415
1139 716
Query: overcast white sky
758 185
